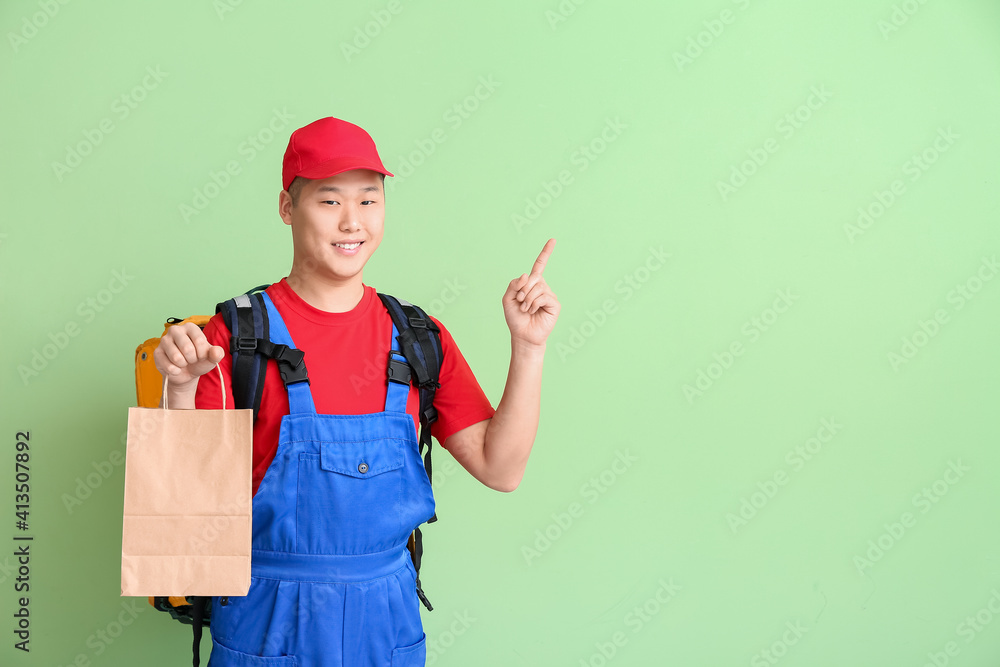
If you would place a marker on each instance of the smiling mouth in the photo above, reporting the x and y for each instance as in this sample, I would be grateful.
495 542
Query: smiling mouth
348 246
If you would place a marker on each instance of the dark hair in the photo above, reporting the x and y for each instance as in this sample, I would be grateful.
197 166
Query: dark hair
295 187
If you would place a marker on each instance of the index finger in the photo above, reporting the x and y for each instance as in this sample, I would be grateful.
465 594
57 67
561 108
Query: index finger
543 257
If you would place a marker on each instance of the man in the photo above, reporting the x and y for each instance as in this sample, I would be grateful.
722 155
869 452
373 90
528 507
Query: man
338 480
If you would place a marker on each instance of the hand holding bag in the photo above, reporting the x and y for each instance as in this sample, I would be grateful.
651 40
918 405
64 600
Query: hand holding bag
188 496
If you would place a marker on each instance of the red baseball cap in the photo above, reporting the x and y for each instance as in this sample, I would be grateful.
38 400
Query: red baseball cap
327 147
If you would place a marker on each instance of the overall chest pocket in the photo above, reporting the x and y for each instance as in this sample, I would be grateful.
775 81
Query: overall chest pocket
350 497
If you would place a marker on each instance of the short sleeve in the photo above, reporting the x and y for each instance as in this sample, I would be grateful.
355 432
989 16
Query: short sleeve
460 401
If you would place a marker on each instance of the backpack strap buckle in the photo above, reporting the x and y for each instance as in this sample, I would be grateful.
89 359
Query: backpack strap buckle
430 415
398 371
291 364
242 344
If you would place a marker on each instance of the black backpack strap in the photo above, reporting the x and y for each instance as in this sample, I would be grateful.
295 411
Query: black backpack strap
200 612
196 612
246 318
420 342
250 346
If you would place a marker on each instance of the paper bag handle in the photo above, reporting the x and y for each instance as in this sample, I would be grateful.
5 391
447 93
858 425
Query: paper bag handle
222 383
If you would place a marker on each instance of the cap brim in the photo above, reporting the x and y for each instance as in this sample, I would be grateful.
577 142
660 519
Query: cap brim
340 165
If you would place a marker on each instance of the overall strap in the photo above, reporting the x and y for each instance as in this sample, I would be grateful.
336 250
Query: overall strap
398 372
291 362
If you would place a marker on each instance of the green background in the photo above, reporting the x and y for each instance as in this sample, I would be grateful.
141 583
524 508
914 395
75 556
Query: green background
894 77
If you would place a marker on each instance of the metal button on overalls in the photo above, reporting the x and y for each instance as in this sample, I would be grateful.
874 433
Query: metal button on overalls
332 582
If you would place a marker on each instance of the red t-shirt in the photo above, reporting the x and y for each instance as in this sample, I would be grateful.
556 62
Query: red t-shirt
345 355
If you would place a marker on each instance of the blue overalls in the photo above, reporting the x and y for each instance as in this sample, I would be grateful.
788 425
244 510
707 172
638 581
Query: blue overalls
332 583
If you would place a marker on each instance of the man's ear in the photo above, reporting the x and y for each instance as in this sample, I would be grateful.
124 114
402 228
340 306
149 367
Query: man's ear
285 206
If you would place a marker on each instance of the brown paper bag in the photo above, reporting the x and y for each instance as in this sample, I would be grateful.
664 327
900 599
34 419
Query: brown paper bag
188 493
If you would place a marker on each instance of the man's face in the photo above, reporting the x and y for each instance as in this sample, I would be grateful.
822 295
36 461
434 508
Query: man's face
344 210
